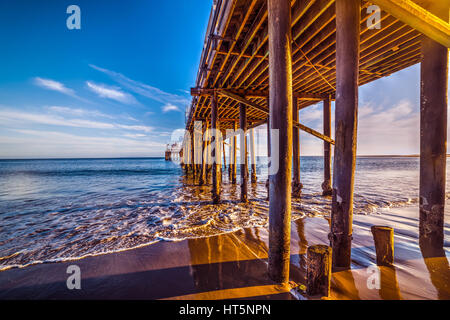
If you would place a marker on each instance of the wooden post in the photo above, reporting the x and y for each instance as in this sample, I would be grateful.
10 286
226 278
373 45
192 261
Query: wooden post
202 179
280 91
215 151
384 245
326 185
224 154
243 149
253 155
193 153
233 168
433 140
268 155
318 272
296 185
348 14
230 159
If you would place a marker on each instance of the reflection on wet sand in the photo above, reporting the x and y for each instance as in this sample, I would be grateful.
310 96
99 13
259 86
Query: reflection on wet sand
439 270
231 266
343 286
389 288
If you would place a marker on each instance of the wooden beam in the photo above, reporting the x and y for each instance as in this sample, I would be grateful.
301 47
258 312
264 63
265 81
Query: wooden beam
314 133
249 94
419 18
242 100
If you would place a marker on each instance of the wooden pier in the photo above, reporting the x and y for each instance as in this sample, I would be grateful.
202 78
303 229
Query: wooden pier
268 59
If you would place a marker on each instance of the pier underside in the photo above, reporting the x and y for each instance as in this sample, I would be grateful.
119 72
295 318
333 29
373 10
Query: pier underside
268 59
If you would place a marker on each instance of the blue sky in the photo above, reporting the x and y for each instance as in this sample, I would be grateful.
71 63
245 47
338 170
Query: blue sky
119 86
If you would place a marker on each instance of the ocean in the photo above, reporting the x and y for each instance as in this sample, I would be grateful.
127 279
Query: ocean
58 210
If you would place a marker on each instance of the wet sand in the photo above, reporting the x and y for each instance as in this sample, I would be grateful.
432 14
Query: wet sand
234 266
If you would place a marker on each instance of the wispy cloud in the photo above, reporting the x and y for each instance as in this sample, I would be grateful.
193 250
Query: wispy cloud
11 117
57 86
53 85
170 107
42 143
113 93
145 90
78 112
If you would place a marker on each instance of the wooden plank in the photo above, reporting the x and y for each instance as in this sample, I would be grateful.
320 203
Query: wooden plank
419 18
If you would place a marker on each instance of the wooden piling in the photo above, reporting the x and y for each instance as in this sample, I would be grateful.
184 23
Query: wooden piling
348 14
318 272
192 150
234 143
326 185
230 159
433 140
280 91
253 155
224 154
296 185
243 153
384 245
268 155
215 151
202 178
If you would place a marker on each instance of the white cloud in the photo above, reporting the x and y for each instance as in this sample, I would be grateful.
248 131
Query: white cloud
169 107
145 89
113 93
10 118
77 112
36 144
53 85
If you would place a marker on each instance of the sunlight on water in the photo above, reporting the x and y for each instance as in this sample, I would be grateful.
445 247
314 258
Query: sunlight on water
52 210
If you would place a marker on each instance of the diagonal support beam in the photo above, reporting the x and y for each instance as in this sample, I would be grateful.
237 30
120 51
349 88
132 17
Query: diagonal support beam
260 108
419 18
243 100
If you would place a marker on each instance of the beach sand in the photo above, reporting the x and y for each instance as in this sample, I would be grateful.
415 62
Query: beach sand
234 266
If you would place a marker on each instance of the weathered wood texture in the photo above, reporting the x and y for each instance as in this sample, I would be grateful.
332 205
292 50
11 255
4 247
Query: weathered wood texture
318 272
253 155
384 245
241 66
326 185
280 71
215 153
347 57
202 178
296 185
433 142
431 25
233 168
268 158
243 153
